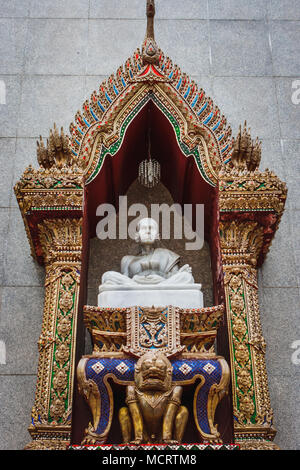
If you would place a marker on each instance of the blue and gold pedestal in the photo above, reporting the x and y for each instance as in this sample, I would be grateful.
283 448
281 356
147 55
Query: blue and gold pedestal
186 337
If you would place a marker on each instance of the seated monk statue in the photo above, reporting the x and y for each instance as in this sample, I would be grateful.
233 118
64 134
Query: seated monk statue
152 265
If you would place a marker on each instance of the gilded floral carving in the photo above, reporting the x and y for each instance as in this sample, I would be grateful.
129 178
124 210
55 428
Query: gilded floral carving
64 327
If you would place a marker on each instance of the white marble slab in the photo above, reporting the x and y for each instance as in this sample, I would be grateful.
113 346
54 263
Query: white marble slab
187 296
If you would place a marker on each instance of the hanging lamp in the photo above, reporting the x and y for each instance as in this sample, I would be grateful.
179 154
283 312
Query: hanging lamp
149 169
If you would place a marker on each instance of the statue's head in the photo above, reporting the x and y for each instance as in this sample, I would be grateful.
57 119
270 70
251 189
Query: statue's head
150 8
153 371
147 231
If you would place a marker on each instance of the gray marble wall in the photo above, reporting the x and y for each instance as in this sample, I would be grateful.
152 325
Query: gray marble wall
244 53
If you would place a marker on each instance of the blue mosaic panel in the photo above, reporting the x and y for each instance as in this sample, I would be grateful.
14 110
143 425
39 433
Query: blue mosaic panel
184 370
97 369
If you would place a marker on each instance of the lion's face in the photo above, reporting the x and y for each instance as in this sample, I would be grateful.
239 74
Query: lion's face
153 372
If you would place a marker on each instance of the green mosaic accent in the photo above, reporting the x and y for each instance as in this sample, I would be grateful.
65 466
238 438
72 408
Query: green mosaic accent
58 185
253 417
66 390
262 185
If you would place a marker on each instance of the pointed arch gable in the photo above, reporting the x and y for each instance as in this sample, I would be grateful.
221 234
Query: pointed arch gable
179 172
201 131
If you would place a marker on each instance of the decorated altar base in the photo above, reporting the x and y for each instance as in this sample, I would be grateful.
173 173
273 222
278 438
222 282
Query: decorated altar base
158 447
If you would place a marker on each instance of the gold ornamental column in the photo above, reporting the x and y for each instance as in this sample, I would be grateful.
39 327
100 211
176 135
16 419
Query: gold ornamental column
51 202
240 244
251 204
51 416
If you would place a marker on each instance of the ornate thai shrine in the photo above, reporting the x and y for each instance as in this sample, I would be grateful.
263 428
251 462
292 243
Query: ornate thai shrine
164 368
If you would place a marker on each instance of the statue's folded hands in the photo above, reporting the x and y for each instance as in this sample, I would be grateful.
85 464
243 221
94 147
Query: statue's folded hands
148 278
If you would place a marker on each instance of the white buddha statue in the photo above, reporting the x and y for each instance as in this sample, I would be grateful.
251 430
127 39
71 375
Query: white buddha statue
153 265
151 278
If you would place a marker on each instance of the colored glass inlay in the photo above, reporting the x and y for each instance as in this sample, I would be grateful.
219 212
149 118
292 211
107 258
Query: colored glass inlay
202 109
93 114
100 106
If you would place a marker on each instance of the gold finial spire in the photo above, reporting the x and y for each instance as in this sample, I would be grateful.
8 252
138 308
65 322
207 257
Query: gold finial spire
150 12
150 51
246 154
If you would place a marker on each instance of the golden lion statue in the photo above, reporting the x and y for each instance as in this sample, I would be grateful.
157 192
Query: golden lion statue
153 404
